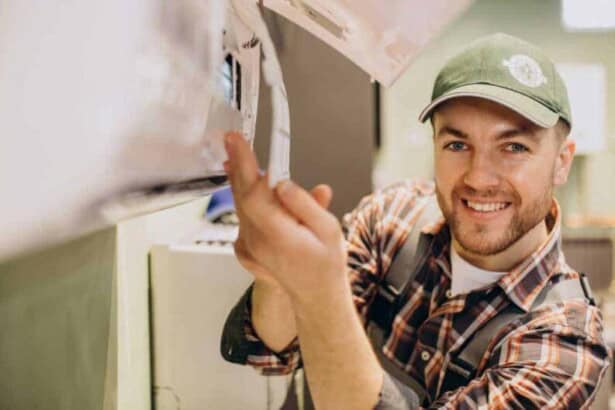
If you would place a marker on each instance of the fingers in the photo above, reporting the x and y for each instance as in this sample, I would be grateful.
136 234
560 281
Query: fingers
322 194
242 166
301 205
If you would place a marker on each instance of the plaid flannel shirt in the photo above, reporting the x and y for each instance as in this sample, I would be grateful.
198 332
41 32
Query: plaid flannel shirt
552 357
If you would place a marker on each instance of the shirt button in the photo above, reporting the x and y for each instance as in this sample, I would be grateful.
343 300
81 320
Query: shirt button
425 355
448 294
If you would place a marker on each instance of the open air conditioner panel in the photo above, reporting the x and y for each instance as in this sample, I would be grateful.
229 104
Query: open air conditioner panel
380 37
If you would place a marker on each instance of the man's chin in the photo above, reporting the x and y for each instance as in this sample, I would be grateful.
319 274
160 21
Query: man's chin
483 244
483 248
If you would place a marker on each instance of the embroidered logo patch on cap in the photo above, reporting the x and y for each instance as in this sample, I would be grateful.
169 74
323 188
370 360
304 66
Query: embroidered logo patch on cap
525 70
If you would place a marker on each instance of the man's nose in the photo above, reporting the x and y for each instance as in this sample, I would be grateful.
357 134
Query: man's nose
482 174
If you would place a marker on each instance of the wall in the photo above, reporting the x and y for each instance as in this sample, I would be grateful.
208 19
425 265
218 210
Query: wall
331 104
75 317
332 115
135 238
407 149
55 314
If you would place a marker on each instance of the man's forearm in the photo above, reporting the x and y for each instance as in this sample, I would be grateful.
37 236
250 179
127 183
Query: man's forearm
287 232
342 370
272 316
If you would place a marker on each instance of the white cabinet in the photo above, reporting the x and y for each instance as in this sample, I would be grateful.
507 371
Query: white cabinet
193 288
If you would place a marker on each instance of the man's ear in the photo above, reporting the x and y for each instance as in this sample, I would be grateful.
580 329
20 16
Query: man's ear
563 162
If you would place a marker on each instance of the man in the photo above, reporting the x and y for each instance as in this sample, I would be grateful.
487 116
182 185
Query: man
500 118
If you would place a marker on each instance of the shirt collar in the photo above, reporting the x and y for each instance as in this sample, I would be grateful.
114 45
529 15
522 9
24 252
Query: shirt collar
524 282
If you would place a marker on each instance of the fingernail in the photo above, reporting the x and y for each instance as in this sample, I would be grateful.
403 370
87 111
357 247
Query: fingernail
226 166
228 140
284 186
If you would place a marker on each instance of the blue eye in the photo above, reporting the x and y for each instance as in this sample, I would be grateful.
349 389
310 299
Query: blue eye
516 147
455 146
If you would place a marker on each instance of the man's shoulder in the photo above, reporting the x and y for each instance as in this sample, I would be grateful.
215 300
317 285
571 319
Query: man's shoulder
393 202
388 214
399 197
566 314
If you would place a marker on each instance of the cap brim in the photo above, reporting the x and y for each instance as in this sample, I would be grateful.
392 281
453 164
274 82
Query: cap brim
523 105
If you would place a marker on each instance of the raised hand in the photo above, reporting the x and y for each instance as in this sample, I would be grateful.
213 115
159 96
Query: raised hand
286 236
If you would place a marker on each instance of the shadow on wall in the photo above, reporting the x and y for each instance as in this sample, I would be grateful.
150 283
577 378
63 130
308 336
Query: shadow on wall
332 115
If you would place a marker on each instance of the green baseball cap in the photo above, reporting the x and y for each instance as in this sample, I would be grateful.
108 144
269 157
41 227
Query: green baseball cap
509 71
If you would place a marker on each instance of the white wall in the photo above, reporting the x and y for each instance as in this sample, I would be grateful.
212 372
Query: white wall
135 238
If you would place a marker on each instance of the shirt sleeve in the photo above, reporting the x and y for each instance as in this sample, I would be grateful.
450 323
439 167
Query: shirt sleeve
240 344
543 366
374 232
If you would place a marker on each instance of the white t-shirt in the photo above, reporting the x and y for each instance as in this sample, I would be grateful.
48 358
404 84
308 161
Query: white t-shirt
467 277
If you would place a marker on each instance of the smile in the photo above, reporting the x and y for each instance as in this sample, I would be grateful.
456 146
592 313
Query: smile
485 207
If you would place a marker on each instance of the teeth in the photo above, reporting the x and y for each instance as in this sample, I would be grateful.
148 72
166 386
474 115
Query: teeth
486 207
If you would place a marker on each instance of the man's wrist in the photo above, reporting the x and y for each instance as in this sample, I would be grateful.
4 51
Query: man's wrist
269 286
334 294
268 290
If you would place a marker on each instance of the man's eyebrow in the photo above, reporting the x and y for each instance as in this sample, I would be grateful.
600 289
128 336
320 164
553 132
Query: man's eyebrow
506 134
447 130
517 132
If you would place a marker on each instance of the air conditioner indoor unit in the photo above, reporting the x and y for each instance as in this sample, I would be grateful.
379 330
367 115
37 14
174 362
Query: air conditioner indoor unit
113 109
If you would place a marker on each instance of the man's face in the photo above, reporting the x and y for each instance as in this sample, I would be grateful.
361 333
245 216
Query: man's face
495 172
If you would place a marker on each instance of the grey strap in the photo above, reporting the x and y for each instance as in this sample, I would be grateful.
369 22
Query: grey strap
395 395
563 290
477 346
473 352
402 271
403 268
377 337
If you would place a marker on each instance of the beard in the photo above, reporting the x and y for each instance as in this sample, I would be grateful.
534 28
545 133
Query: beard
482 239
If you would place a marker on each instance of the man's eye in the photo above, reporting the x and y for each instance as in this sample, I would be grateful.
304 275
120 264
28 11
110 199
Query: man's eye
516 147
455 146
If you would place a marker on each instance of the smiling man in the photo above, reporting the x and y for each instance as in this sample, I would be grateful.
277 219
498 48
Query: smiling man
495 179
491 315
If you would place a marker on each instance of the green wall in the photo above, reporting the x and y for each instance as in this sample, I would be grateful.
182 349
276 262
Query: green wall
74 319
55 316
